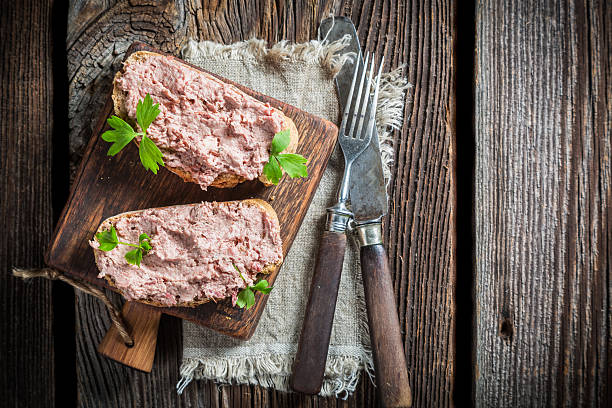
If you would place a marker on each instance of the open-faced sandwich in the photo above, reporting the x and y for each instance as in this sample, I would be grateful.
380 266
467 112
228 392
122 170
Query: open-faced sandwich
209 132
186 255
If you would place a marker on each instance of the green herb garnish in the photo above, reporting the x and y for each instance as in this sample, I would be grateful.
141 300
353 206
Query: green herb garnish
246 297
108 241
293 164
123 133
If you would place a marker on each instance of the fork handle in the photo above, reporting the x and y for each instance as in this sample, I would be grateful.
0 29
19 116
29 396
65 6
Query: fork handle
309 365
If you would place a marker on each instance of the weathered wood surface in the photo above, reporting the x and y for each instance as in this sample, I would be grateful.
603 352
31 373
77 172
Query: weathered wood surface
543 203
542 251
418 229
26 217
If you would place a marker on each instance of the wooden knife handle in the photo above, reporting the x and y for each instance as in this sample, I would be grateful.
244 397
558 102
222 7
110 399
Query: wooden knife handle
309 365
389 358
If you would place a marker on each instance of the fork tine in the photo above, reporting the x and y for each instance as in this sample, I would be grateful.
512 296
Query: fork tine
364 105
374 102
358 99
347 105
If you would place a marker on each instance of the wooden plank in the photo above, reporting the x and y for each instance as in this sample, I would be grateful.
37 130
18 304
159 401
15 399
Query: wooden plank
26 124
419 228
543 203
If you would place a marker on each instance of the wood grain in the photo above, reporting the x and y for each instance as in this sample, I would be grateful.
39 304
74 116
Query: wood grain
26 124
419 228
419 232
142 324
542 192
543 203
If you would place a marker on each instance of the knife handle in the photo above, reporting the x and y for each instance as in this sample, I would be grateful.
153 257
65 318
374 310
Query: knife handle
309 365
389 359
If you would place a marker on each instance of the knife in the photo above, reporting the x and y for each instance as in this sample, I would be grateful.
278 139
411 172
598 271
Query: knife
368 200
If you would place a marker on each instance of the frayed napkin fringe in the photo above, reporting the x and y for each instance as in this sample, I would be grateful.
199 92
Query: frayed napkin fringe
274 371
325 54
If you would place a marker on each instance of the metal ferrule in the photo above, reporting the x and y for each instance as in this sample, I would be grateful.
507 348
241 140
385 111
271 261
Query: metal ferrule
369 233
338 218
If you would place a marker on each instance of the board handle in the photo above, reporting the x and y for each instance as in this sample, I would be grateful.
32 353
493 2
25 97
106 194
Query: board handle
309 365
142 322
389 359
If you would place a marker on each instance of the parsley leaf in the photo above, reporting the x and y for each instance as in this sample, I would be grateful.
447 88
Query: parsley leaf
134 257
293 164
280 142
108 241
144 242
150 155
272 170
146 112
123 133
246 297
262 286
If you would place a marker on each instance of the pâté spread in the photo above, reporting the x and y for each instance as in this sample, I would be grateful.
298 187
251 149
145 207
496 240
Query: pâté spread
194 250
206 127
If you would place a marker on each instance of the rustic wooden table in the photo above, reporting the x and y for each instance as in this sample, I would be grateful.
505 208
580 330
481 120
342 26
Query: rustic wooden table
499 231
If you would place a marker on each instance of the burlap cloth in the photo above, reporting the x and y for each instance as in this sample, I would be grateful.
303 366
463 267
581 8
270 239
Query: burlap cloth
301 75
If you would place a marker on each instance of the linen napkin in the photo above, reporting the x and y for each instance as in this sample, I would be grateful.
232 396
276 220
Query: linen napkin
301 75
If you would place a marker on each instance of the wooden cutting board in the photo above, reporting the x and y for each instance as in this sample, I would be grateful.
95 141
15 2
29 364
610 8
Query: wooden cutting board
106 186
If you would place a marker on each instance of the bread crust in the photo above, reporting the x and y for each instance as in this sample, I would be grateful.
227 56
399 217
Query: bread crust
106 224
224 180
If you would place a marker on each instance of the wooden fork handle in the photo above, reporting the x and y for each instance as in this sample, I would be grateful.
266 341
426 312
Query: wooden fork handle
309 365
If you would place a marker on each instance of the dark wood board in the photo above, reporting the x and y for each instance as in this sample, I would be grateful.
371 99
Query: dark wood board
106 186
543 196
419 229
27 358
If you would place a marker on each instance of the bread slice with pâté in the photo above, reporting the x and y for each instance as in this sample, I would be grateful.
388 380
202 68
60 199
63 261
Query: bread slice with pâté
209 131
196 251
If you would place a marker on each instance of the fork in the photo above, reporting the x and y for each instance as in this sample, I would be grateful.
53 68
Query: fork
354 136
355 141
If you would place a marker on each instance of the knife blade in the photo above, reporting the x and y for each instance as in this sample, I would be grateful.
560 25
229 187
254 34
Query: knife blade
368 201
368 194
